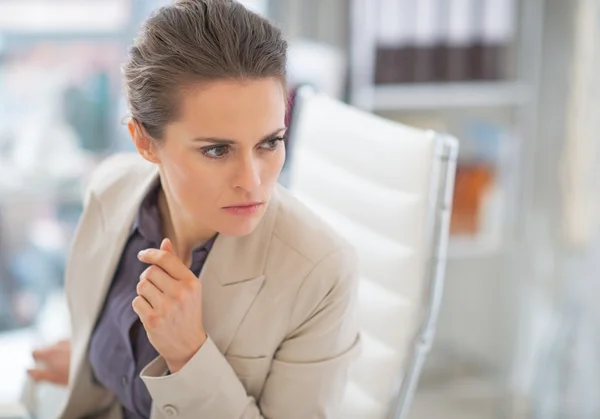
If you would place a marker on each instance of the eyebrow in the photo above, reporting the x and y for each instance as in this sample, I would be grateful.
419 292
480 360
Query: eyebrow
224 141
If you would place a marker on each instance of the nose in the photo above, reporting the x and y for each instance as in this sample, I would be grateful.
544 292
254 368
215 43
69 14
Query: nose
248 174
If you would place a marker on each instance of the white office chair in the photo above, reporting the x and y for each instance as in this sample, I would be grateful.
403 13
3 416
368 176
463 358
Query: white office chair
387 188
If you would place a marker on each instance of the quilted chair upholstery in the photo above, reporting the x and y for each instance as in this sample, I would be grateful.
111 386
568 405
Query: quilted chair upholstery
387 188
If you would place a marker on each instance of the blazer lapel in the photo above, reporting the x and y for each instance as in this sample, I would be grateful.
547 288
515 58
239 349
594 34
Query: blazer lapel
101 253
225 306
232 278
119 216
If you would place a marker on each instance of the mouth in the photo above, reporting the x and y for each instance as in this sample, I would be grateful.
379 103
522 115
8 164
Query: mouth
245 208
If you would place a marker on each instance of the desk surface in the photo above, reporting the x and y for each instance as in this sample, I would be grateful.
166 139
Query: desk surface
13 411
15 358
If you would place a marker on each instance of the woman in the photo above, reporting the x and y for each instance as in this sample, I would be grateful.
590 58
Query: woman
197 287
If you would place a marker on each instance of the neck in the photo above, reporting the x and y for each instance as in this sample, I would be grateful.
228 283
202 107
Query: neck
184 234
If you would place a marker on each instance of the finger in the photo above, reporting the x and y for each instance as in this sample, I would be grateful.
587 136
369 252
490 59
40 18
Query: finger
143 310
41 354
149 291
162 280
167 246
42 375
141 307
170 263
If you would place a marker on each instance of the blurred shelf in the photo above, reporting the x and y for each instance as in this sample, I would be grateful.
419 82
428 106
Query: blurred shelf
476 247
434 96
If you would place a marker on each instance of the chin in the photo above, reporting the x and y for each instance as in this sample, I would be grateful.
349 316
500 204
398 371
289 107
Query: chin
240 228
241 225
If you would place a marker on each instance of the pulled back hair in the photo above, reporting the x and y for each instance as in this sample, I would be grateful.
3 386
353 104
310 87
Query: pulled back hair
196 41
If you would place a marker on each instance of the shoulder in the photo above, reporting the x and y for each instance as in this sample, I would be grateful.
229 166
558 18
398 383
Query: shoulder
305 234
121 171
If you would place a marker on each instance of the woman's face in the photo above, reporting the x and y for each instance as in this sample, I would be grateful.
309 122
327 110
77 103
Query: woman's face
220 161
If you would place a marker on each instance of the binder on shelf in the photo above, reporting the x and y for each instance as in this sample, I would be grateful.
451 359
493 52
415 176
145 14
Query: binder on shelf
443 40
394 55
496 34
459 39
428 63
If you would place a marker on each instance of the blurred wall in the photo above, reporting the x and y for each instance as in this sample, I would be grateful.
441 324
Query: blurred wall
314 19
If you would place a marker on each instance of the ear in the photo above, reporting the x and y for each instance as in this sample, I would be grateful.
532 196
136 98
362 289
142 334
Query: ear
145 146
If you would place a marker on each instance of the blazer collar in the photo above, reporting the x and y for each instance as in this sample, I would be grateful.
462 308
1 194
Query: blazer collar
238 259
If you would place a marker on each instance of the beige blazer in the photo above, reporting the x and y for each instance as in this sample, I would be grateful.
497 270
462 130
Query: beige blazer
278 306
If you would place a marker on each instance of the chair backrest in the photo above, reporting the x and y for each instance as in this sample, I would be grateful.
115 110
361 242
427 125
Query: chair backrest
387 188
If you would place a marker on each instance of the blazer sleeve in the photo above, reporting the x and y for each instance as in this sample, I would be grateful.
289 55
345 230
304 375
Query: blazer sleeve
308 374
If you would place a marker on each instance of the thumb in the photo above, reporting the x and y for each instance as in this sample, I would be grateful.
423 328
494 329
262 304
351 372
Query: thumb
167 246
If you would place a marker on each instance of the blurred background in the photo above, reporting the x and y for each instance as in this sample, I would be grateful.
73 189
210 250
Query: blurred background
516 81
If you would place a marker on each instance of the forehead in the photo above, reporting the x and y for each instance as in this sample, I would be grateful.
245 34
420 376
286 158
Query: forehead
232 109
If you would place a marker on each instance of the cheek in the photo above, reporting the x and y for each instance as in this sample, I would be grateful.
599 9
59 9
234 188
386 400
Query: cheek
274 164
181 170
191 182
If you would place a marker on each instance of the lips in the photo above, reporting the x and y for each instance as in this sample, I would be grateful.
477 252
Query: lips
244 205
246 208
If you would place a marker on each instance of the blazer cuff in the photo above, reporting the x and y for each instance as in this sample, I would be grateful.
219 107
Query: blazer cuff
207 382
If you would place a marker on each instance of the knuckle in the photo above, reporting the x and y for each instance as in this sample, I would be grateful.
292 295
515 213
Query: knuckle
136 302
162 257
178 295
140 287
152 271
195 287
192 286
145 274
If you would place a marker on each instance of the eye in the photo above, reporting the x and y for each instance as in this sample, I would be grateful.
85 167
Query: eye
271 144
215 152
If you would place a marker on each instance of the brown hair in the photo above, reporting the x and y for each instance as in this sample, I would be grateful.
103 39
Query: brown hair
195 41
